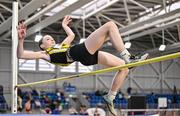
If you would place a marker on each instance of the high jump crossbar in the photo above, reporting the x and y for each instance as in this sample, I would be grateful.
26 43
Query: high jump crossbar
135 64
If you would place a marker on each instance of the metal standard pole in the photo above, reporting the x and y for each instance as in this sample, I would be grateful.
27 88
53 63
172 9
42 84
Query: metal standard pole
14 57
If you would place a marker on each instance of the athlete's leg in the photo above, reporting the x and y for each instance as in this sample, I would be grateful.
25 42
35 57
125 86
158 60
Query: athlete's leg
96 39
110 60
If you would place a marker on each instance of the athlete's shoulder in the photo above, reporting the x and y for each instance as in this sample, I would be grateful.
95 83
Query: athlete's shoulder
64 45
44 55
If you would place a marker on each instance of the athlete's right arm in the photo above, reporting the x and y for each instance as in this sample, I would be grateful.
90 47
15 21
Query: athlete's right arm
24 54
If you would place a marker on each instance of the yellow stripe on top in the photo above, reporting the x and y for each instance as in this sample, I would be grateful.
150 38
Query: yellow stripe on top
58 48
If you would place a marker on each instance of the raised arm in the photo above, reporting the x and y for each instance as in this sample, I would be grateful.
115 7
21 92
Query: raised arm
24 54
69 32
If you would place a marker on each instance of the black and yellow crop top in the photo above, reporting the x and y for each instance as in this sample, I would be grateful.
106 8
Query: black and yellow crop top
58 54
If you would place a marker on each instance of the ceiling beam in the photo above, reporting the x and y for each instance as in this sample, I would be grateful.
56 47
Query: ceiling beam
37 15
106 17
98 9
139 4
122 9
133 28
50 20
6 1
178 31
169 49
20 4
43 11
152 1
6 8
23 13
127 11
150 31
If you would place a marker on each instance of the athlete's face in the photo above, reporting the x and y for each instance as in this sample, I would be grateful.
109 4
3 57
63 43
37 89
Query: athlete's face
47 42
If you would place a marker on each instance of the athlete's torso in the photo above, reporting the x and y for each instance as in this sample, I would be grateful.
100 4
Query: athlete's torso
58 54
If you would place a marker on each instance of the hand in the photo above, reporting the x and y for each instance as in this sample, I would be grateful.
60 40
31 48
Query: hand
66 20
21 29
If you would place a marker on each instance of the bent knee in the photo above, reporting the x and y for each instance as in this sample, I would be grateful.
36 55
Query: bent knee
125 71
111 24
123 62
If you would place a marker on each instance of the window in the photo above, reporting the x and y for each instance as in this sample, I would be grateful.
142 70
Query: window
84 69
45 66
70 68
27 64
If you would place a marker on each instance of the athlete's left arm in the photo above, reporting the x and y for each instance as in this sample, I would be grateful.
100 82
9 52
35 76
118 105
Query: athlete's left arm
70 35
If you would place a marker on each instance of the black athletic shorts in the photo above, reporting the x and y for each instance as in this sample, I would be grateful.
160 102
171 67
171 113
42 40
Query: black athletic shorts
80 53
